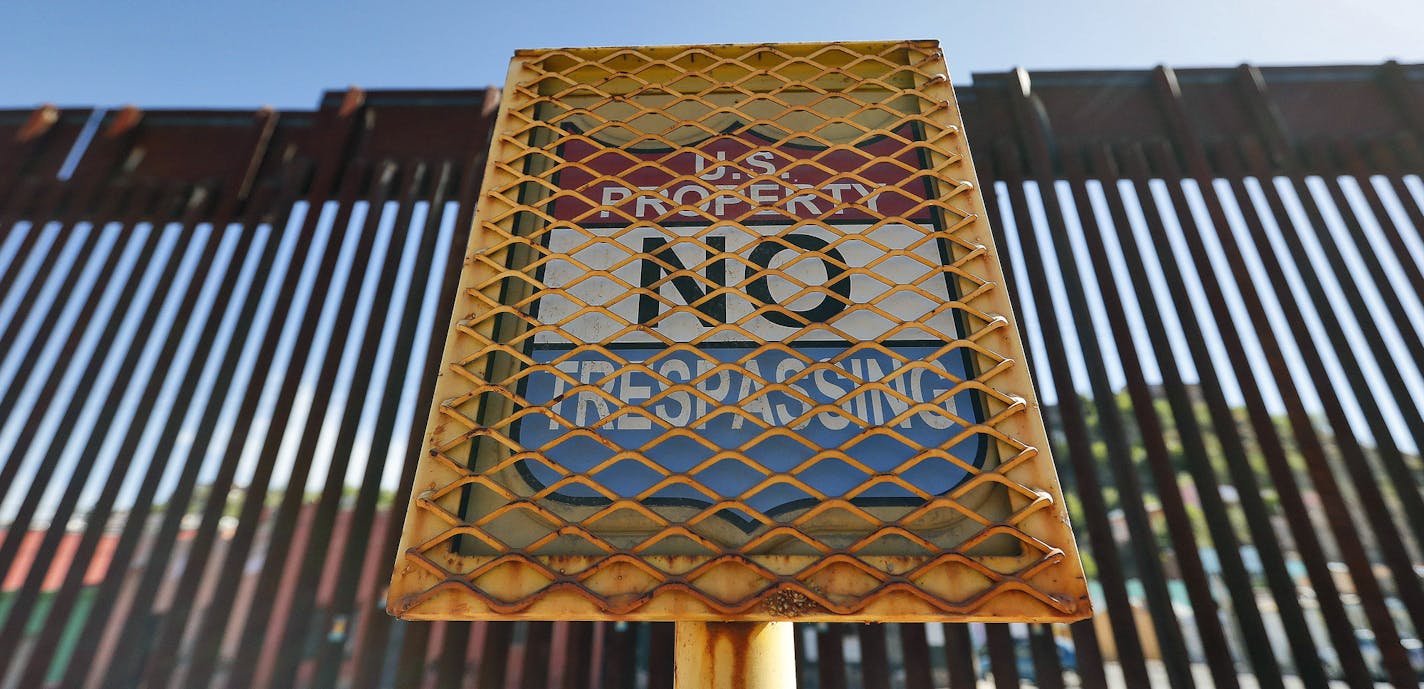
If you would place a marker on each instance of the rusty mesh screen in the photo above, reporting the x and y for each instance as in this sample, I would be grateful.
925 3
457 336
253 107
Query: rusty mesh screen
731 342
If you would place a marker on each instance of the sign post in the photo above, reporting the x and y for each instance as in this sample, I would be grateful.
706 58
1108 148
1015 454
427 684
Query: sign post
732 349
734 655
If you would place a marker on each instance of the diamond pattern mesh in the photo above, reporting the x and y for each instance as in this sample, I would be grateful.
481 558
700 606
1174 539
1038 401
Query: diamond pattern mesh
731 343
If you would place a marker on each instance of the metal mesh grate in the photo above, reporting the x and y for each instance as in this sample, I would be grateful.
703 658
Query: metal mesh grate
732 342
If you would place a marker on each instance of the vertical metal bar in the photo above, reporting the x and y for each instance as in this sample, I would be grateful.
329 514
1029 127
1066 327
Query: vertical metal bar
1326 485
1100 543
1003 658
1382 156
49 389
1131 494
379 626
959 656
50 310
831 654
1262 422
1405 487
314 554
410 668
209 633
1084 464
535 673
137 517
245 662
363 513
660 655
1308 662
162 544
915 649
620 657
1047 666
805 666
874 657
450 661
13 629
579 663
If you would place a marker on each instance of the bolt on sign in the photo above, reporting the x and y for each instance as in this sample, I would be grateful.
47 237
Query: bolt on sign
732 343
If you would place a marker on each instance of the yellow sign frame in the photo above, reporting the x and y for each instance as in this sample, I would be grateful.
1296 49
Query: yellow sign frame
478 544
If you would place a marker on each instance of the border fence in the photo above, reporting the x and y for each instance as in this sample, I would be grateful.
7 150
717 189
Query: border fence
215 329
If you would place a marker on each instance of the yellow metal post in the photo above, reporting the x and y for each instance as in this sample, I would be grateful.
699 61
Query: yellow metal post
734 655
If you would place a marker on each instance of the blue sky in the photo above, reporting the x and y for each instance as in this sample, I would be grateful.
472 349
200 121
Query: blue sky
209 54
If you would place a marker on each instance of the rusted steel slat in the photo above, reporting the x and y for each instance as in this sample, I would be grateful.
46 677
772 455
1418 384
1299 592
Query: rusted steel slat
86 242
620 656
493 669
1047 666
1080 451
379 626
1387 449
163 545
915 650
1170 636
579 664
1153 435
1003 660
1308 661
660 653
1383 156
209 633
449 663
1263 424
137 517
190 578
245 662
830 653
874 657
314 555
535 673
410 667
15 454
329 655
959 657
28 595
1326 484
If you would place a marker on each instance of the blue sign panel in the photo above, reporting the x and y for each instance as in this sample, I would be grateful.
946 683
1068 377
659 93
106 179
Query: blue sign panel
821 318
